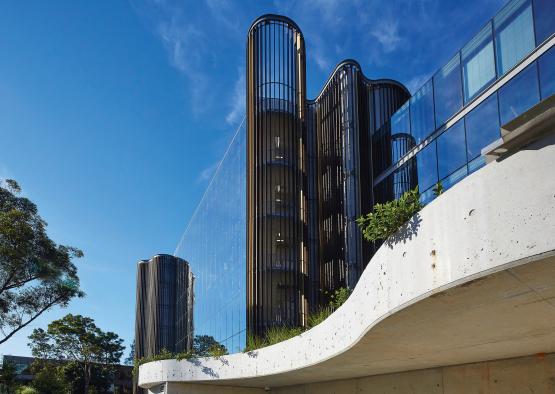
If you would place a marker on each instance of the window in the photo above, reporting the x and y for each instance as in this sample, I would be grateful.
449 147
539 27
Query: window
478 63
547 73
514 34
426 164
482 126
455 177
422 112
519 94
451 150
448 90
544 17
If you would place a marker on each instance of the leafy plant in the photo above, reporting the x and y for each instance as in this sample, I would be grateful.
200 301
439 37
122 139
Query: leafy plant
255 342
438 189
281 333
319 316
389 217
26 390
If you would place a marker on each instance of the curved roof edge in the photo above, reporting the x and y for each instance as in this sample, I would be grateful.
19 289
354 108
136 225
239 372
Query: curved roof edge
275 17
353 62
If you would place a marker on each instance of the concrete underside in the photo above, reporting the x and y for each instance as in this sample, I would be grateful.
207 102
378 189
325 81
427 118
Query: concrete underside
474 282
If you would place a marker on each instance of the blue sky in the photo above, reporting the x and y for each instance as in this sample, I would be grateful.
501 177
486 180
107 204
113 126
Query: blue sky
114 114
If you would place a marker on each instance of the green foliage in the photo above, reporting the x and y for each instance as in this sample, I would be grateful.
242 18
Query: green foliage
207 346
49 377
8 375
438 189
36 274
281 333
78 342
27 390
129 359
389 217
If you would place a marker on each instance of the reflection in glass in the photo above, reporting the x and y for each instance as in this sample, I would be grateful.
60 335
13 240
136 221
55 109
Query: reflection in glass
426 164
451 149
214 244
455 177
482 126
514 34
400 121
478 63
519 94
448 90
422 112
546 64
476 164
427 195
544 18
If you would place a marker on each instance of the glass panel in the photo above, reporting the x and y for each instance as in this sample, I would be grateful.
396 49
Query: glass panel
422 112
476 164
547 73
426 164
514 34
454 178
482 126
544 16
427 196
478 63
400 121
214 244
519 94
451 149
448 90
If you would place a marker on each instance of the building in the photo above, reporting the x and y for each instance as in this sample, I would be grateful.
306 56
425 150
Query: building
164 309
122 380
309 174
460 301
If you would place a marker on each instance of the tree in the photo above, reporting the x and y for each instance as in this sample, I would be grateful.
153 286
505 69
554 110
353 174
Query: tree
8 375
36 274
48 377
129 360
77 339
389 217
207 346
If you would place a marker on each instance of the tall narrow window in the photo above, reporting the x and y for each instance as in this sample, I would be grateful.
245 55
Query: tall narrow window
448 90
478 63
422 112
426 164
514 34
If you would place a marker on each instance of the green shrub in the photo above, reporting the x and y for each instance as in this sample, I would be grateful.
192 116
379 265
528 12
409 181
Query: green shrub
281 333
26 390
217 351
319 316
389 217
254 342
438 189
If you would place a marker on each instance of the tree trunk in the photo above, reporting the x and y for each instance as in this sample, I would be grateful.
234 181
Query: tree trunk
87 378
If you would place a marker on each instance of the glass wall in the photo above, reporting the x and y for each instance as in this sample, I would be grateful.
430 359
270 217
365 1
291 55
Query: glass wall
422 112
451 150
544 15
514 34
546 64
500 46
482 126
214 244
478 63
519 94
448 90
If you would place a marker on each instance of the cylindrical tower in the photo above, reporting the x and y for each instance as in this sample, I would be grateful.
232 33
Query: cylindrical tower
276 175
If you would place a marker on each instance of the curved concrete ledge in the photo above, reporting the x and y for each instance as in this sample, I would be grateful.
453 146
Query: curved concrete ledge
485 247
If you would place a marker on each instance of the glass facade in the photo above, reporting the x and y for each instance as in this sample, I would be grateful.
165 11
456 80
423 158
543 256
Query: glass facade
448 90
214 244
546 64
478 63
451 150
422 112
504 42
482 126
519 94
514 34
544 15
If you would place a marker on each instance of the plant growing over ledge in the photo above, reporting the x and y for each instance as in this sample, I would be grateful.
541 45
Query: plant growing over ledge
389 217
438 189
